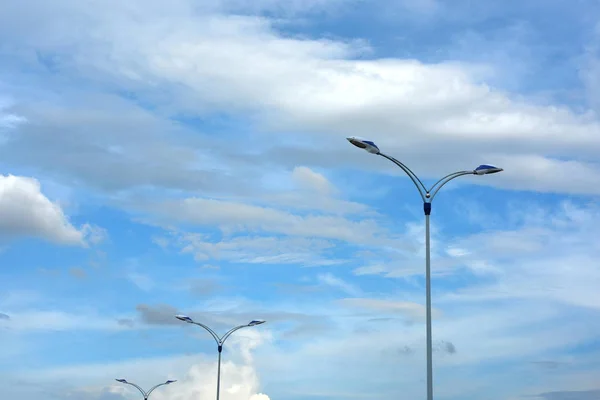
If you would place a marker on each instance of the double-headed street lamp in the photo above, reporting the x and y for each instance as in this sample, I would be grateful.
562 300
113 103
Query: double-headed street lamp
220 340
427 195
145 394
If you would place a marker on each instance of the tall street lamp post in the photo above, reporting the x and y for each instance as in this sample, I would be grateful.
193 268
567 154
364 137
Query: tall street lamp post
220 340
145 394
427 195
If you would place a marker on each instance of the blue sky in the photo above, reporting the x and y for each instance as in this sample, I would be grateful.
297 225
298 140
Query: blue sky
190 157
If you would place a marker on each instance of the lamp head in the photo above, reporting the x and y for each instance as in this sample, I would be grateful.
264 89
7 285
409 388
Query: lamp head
364 144
121 380
256 322
486 170
184 318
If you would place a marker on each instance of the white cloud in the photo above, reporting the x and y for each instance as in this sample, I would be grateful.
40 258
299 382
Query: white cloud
310 180
213 62
540 251
34 320
8 120
257 250
142 281
195 375
338 283
94 234
469 342
387 307
305 189
25 211
434 117
232 217
548 255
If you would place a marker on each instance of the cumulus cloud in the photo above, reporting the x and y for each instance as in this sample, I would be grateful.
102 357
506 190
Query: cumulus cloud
239 382
25 211
196 376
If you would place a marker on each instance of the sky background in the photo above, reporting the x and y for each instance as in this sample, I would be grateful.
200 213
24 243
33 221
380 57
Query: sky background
190 157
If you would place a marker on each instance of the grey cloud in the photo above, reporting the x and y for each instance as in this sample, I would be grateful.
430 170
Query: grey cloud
571 395
4 316
126 322
112 145
78 272
407 310
547 364
292 324
203 287
400 351
442 346
405 350
449 347
384 319
162 314
50 272
309 327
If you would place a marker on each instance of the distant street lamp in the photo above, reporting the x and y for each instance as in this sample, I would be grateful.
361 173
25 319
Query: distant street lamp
220 340
145 394
427 196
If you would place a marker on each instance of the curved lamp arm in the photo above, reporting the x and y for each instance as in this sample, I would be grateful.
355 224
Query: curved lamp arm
213 334
225 336
160 384
138 388
413 177
447 179
426 195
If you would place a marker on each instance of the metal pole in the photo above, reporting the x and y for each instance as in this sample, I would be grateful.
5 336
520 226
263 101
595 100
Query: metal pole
220 340
427 208
427 196
219 371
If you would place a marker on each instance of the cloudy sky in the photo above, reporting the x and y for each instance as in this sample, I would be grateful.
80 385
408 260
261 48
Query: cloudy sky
190 157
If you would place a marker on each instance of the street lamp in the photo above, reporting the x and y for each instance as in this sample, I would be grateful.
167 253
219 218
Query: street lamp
220 340
427 196
145 394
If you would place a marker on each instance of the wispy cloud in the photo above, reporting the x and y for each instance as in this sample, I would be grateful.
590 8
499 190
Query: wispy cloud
338 283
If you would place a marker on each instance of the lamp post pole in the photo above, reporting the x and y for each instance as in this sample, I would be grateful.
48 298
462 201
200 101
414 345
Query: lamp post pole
219 339
427 195
144 393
